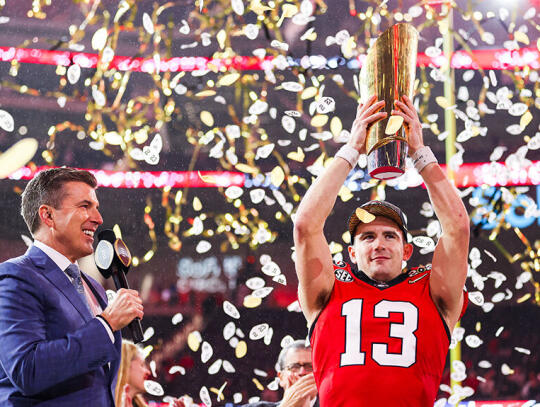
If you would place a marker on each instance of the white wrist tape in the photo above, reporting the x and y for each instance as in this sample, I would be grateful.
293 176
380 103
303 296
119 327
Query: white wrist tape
349 154
422 157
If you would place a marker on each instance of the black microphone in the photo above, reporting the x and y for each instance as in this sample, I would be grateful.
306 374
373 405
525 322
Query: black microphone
113 259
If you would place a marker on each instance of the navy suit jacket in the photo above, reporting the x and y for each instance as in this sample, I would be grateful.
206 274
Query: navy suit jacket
53 352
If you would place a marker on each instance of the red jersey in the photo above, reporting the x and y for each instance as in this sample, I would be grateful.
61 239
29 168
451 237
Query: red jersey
379 344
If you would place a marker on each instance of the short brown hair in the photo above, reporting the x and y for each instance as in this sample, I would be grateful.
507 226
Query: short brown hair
46 189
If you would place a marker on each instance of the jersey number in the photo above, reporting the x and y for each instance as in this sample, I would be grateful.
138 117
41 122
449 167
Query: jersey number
352 311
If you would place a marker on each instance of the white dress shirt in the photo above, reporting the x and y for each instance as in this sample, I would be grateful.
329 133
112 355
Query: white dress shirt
63 263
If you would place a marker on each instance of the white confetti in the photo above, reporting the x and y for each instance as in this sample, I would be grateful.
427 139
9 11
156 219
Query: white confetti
292 86
477 298
228 367
268 336
326 105
204 394
238 6
234 192
286 341
484 364
473 341
228 330
255 283
262 292
288 123
257 195
177 369
206 352
517 109
203 246
271 269
230 310
281 279
148 334
423 241
265 151
153 388
147 24
73 73
258 331
214 367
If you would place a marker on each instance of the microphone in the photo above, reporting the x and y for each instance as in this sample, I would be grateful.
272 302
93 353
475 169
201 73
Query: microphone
113 258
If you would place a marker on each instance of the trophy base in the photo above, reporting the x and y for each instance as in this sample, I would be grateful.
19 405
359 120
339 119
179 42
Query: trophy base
388 161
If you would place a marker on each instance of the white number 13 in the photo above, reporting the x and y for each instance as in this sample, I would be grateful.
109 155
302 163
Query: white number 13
352 311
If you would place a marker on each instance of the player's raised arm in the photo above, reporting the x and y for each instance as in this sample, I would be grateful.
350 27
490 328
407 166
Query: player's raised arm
449 266
313 259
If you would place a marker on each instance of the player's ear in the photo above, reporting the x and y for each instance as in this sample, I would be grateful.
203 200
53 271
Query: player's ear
45 214
352 254
407 251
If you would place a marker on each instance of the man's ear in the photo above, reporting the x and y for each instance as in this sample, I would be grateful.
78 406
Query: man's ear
282 380
407 251
352 254
45 215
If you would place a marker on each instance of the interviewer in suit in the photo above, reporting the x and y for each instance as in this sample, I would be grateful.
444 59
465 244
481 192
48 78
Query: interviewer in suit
59 340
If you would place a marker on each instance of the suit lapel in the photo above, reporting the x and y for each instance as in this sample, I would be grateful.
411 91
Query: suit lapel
58 278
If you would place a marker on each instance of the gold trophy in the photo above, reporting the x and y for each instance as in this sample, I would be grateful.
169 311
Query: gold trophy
389 72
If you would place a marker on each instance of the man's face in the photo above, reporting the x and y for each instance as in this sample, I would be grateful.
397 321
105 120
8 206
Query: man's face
74 223
297 364
378 249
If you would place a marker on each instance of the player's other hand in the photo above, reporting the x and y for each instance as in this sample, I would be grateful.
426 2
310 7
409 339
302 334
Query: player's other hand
367 114
126 306
301 392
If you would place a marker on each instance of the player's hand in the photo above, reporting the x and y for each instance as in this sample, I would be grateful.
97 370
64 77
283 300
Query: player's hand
367 114
411 123
302 391
123 309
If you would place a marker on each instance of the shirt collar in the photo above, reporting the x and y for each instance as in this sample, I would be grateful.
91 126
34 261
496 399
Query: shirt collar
61 261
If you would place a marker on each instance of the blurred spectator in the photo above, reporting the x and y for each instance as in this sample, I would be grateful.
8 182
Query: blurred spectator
131 377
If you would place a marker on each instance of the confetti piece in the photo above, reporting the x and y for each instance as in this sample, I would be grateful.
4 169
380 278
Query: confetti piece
277 176
255 283
286 341
258 331
203 246
525 120
281 279
297 155
424 241
238 6
251 301
203 393
194 340
319 120
228 367
241 350
288 124
148 334
270 268
17 156
364 215
262 292
230 310
214 367
99 39
442 102
229 330
177 369
153 388
73 73
473 341
206 352
258 384
207 118
268 336
520 36
393 125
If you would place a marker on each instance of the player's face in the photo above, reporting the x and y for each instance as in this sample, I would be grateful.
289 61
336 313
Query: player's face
75 221
297 364
379 249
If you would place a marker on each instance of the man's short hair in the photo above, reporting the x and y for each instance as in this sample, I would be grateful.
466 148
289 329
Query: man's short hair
298 344
46 189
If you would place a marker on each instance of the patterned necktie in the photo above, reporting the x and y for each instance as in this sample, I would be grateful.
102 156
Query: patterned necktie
75 274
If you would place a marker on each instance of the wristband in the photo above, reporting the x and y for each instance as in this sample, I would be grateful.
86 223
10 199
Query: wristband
422 157
105 320
349 154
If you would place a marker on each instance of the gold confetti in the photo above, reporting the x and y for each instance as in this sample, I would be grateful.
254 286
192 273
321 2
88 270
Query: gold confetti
258 384
319 120
393 125
246 168
336 126
194 340
442 102
228 79
211 179
364 215
207 118
277 176
17 156
308 93
520 36
204 94
240 350
297 155
197 205
251 301
525 119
